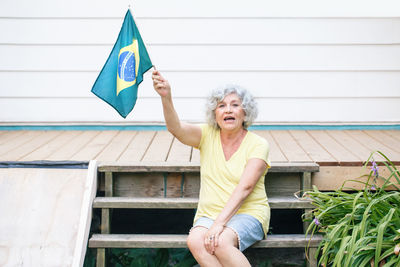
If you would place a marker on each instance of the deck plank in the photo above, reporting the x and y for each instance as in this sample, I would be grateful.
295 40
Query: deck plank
393 133
292 151
358 150
328 148
67 150
138 147
275 153
7 136
92 149
43 152
335 149
179 151
372 144
117 146
160 147
385 138
33 144
316 152
19 140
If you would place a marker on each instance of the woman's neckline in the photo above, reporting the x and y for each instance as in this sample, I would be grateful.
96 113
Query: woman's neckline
237 143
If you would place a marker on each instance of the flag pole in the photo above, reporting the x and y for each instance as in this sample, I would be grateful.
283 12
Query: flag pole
129 7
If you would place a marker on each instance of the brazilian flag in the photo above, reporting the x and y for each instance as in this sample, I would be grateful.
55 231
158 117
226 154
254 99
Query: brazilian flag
118 81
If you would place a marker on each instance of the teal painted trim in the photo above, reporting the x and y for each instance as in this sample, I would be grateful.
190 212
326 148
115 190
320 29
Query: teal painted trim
84 128
325 127
163 128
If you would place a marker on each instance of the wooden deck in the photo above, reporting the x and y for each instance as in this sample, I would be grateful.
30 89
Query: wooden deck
336 151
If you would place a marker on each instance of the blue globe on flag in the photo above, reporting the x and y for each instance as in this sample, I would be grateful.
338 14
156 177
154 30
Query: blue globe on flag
126 66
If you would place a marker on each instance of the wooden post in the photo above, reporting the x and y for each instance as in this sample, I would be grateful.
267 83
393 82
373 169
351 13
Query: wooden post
306 185
312 261
108 184
105 219
101 257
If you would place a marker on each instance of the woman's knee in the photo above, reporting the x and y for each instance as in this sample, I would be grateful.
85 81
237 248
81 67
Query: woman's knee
195 241
227 241
224 248
192 242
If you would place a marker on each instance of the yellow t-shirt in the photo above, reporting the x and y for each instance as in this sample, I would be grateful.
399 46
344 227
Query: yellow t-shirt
220 177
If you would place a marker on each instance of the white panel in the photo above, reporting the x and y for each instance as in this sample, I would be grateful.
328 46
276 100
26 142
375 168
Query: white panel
332 110
205 31
210 58
149 110
51 200
64 109
184 8
200 84
64 31
305 60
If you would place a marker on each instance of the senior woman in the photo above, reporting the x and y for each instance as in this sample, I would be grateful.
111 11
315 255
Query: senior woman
233 212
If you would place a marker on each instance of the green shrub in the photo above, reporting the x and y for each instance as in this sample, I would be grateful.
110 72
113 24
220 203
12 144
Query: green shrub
360 228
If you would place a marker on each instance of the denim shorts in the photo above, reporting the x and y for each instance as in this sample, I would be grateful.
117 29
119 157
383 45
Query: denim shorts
247 228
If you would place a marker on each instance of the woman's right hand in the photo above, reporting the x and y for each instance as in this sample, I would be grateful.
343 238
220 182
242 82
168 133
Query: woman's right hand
160 84
189 134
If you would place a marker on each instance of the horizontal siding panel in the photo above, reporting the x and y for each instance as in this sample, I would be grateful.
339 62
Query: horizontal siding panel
205 31
227 58
261 84
210 8
304 61
149 110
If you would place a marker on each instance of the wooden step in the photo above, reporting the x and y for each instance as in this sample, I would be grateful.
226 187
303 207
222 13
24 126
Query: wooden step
179 241
185 203
140 166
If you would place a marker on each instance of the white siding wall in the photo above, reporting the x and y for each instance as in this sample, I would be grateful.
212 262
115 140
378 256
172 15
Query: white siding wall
305 62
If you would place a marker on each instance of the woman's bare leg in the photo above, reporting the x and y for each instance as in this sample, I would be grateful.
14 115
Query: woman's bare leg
195 243
227 250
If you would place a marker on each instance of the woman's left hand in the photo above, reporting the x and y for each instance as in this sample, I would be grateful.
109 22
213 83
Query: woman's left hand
212 237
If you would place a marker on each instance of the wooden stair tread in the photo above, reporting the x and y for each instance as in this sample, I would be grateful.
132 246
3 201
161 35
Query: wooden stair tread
142 166
185 203
179 241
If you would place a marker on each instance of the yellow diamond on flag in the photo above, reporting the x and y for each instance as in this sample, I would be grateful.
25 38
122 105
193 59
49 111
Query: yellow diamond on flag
128 65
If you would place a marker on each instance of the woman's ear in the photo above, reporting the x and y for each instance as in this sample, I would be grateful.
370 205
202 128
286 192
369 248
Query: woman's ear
245 120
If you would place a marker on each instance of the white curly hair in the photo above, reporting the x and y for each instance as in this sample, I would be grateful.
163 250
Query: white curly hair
249 104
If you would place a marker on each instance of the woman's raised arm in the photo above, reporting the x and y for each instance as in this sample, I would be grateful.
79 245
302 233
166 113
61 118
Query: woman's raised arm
187 133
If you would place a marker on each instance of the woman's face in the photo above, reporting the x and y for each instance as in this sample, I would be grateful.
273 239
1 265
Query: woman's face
229 113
